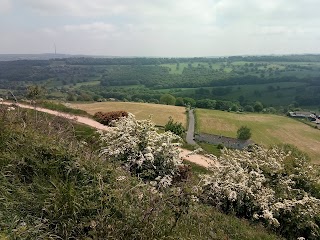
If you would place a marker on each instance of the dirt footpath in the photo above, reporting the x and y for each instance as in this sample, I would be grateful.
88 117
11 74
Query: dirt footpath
197 158
79 119
184 154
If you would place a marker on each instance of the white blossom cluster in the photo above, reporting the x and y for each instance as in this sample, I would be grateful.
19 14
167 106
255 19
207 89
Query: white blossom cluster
149 154
257 184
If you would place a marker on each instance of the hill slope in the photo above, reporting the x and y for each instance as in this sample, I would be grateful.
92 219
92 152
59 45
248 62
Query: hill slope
55 186
266 129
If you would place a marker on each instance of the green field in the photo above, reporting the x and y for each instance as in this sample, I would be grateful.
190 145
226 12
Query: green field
160 113
266 129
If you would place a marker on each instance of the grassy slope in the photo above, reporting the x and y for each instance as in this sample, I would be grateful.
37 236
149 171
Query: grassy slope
63 198
266 129
160 113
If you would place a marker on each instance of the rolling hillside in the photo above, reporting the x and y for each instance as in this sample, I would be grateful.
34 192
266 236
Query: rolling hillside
266 129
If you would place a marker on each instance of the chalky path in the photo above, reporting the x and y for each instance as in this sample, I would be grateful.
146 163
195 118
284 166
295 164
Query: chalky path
184 154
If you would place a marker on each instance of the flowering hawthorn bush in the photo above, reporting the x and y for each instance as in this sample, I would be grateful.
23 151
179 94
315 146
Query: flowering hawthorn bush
273 186
150 155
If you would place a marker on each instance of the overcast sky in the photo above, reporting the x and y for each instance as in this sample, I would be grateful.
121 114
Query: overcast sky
160 27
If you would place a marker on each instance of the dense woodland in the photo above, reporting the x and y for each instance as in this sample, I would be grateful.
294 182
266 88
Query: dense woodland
275 81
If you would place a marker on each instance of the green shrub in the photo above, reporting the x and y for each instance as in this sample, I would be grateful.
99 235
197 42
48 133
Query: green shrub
244 133
174 127
220 146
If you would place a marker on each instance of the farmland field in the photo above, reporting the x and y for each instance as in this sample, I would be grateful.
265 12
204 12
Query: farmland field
276 81
160 113
266 129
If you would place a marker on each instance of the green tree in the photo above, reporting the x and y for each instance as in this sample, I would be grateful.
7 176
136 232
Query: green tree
244 133
234 108
189 101
34 92
174 127
179 101
167 99
258 107
248 108
206 103
71 97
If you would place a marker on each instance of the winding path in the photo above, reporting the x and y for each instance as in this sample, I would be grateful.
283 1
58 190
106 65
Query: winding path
190 132
79 119
184 154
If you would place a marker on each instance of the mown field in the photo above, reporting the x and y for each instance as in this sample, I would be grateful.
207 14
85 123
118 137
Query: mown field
160 113
266 129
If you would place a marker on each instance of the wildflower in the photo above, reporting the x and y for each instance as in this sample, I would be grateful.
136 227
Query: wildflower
153 183
165 181
149 157
194 198
121 178
256 216
232 196
140 196
93 224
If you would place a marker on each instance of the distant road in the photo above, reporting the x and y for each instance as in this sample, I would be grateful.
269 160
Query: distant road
190 132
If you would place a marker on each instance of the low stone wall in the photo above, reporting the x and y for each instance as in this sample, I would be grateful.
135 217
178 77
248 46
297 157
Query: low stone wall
225 141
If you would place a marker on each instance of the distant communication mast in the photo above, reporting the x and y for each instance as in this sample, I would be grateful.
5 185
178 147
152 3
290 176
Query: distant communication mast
55 49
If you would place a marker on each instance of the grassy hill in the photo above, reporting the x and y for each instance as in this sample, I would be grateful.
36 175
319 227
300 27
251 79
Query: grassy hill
55 186
160 113
266 129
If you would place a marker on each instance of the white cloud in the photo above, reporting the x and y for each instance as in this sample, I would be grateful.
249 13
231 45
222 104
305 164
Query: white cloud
5 6
171 28
280 30
93 27
162 10
188 15
80 8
